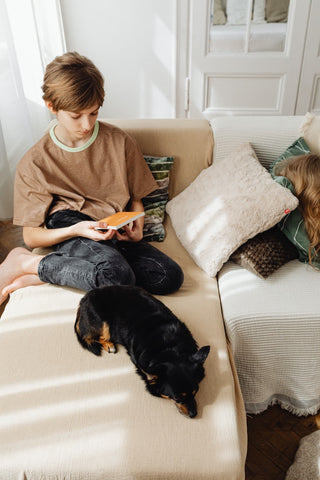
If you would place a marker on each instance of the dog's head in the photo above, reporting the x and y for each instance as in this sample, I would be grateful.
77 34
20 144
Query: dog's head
178 380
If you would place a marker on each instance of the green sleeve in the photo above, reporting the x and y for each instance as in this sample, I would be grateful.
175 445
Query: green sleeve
292 225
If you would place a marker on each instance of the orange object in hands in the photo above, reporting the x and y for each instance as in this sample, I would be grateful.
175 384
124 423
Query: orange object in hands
119 219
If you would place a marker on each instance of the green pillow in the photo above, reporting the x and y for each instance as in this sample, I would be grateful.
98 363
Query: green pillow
155 203
299 147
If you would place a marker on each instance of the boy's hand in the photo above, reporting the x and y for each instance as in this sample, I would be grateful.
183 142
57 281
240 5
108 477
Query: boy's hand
133 232
88 229
46 237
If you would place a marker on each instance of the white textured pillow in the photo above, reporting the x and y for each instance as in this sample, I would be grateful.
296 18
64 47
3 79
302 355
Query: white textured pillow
228 203
259 11
237 12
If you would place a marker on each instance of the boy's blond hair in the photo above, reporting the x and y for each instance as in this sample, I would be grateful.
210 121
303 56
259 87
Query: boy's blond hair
73 83
304 173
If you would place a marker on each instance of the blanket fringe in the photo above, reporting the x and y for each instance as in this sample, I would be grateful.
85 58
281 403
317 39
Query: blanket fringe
285 405
299 412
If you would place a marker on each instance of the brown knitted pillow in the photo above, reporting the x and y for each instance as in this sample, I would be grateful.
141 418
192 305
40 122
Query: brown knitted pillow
265 253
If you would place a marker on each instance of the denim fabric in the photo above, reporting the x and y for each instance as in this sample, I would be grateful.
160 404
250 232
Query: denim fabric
85 264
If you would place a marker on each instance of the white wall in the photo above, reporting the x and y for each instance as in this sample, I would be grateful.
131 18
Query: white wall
133 43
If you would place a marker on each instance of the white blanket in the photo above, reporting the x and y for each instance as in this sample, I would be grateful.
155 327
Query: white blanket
274 329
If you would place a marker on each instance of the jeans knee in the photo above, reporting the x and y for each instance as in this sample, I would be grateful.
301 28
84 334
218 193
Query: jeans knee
167 280
174 280
120 274
178 278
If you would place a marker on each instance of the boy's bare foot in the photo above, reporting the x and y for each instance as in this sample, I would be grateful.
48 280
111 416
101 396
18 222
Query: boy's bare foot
20 282
19 269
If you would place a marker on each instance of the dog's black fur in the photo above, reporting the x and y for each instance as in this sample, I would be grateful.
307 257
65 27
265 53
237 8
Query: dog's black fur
161 347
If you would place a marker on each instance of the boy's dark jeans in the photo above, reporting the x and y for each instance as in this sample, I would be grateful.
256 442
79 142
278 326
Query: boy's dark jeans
85 264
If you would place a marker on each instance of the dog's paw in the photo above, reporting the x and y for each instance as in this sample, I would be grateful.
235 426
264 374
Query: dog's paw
108 346
111 348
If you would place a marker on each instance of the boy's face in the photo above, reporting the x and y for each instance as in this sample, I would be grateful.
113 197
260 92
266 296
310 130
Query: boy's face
77 126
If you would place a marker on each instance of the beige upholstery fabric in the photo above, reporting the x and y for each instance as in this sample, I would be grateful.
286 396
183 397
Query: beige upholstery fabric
65 413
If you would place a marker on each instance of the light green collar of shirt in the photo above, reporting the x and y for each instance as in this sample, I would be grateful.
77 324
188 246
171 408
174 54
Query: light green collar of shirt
75 149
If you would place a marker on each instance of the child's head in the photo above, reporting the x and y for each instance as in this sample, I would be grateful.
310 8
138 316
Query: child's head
72 83
304 173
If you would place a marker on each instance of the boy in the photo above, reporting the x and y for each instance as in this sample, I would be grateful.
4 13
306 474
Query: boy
79 172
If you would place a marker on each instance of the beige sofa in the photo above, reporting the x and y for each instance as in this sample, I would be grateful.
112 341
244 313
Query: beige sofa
66 414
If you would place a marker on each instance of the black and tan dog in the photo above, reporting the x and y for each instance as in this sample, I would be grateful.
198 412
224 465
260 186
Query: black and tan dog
161 347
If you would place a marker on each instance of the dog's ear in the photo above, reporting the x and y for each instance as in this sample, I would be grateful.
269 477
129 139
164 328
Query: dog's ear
201 355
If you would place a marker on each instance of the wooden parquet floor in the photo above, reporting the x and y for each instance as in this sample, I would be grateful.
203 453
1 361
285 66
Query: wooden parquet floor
273 436
273 439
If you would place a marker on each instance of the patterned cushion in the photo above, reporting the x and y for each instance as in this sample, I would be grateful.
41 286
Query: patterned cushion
265 253
155 203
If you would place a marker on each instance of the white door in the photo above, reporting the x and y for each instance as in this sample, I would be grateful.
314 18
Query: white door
250 69
309 89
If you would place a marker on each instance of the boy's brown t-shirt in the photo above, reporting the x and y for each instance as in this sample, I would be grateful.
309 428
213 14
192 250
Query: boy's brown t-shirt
97 179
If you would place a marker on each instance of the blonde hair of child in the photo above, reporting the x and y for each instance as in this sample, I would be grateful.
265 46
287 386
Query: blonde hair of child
304 173
73 83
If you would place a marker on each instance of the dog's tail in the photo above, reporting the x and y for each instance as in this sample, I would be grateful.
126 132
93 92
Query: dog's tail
87 341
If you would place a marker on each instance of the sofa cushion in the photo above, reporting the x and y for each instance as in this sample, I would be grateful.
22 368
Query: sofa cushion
69 414
228 203
265 253
155 203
